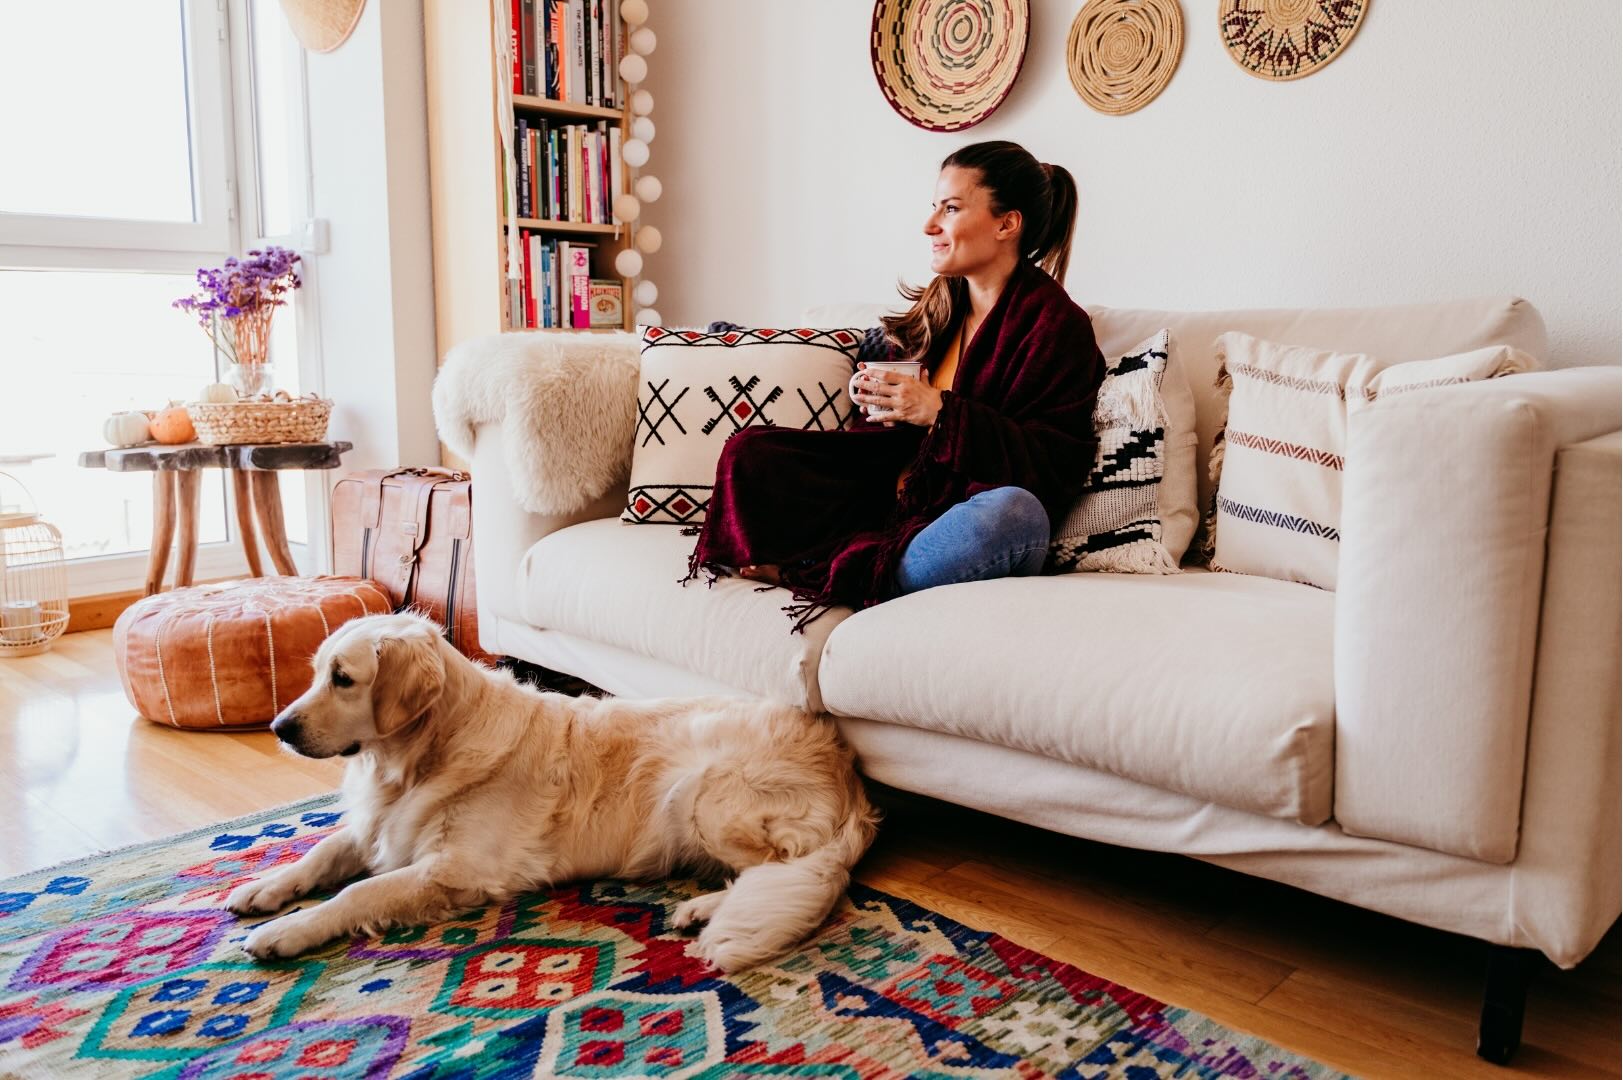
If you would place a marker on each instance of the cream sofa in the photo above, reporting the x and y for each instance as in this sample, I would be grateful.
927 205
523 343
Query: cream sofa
1437 739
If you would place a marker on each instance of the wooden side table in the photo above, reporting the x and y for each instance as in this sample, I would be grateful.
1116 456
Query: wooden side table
177 485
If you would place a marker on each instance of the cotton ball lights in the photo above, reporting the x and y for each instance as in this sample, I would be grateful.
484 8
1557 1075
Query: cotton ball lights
642 128
642 102
628 263
648 239
645 293
649 317
634 12
633 69
626 206
643 41
648 188
635 151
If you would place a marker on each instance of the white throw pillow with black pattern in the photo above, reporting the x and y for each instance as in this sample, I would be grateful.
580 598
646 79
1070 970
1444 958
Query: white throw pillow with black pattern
1116 524
699 387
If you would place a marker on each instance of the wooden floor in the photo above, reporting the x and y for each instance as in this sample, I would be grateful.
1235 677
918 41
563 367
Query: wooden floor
1368 994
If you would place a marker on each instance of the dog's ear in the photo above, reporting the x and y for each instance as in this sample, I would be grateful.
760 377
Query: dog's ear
411 676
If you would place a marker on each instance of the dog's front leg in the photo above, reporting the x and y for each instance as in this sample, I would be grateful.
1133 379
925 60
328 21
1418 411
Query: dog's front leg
406 896
337 857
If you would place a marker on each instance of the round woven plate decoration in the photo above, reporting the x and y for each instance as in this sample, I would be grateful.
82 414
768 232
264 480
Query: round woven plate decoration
1287 39
946 65
1122 53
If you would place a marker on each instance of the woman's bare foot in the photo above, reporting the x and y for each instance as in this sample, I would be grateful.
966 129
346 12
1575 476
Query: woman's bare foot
765 572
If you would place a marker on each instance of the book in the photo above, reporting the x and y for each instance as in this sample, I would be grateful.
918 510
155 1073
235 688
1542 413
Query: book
607 301
580 276
578 74
526 43
514 28
616 180
521 151
533 278
611 58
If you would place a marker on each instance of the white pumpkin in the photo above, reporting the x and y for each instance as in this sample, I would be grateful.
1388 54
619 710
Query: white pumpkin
126 429
217 394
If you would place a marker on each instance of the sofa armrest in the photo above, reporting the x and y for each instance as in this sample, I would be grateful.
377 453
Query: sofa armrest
1447 521
503 531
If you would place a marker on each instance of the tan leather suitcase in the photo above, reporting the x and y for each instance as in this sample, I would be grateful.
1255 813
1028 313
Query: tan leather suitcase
411 532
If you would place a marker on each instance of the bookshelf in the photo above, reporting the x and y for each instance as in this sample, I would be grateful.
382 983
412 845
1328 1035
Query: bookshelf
467 185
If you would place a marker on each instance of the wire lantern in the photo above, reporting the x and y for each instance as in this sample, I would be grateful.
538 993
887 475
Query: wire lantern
33 576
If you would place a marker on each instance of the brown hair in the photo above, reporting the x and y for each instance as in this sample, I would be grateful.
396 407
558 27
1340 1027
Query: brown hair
1044 194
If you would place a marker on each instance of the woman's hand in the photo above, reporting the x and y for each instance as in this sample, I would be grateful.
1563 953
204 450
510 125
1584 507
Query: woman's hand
897 398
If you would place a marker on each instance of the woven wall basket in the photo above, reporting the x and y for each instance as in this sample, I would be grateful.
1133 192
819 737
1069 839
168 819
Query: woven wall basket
1280 40
1122 53
946 65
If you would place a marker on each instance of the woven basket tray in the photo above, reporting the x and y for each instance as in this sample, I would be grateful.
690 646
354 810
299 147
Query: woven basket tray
226 423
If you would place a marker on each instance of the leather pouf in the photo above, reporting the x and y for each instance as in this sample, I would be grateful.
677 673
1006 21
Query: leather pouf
232 655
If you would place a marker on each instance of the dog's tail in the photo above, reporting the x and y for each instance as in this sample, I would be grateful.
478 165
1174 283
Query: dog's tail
774 906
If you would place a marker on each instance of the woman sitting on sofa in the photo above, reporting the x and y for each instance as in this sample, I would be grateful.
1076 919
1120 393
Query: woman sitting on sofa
955 476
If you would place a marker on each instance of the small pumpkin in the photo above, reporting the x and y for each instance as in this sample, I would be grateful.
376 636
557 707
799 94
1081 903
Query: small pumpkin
172 426
218 394
126 429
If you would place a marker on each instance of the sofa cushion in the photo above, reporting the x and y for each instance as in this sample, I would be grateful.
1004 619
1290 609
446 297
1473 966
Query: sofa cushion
617 583
1213 685
697 389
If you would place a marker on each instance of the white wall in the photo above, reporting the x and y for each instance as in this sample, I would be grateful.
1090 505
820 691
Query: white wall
369 163
1457 148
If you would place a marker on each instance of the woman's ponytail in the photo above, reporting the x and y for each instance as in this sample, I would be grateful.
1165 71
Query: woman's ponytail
1052 250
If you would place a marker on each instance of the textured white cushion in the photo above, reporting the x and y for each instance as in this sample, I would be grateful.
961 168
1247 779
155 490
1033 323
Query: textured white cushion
617 583
697 388
1115 524
1213 685
1278 506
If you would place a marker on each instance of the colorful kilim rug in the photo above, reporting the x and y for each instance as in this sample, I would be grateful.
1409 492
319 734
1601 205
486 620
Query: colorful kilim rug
127 964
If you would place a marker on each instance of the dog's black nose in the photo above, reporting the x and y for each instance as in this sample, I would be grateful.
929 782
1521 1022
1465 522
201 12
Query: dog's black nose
286 728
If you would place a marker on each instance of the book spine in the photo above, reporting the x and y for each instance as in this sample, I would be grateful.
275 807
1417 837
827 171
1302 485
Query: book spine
546 291
611 53
521 141
554 90
616 177
561 280
526 43
533 273
514 27
579 7
552 176
580 287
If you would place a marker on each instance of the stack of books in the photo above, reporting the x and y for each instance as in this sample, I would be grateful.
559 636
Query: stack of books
568 50
557 290
567 172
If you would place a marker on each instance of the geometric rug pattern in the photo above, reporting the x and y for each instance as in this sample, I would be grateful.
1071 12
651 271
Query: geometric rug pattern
126 964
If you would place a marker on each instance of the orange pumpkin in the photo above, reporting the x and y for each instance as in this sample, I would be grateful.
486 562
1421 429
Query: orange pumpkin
172 426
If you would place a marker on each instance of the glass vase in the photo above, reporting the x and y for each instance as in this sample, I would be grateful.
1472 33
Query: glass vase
251 380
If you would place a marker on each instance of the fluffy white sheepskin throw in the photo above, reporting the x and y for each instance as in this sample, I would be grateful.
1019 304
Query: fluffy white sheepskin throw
566 404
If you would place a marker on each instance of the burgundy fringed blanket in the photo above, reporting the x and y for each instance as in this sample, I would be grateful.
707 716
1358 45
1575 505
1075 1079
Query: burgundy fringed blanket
823 504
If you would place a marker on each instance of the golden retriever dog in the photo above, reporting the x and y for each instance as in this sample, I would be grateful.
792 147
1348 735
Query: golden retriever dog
467 788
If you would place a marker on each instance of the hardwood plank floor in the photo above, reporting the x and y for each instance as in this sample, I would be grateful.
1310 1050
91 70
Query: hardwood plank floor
80 773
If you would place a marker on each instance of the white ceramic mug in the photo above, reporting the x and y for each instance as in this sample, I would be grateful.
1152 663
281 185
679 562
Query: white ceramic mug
905 367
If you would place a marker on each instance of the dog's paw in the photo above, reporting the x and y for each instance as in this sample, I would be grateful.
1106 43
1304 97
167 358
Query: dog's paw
690 913
261 897
728 953
288 936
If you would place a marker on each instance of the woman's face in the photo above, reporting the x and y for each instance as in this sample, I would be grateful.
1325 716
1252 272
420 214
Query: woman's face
965 236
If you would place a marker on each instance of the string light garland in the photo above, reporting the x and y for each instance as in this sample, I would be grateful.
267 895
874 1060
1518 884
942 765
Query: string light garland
644 239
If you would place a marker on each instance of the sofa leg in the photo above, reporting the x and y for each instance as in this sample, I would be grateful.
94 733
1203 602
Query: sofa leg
1510 970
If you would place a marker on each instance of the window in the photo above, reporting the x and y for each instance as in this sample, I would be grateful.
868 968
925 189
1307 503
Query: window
138 171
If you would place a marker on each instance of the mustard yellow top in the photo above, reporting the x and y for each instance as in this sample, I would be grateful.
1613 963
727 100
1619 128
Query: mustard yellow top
941 378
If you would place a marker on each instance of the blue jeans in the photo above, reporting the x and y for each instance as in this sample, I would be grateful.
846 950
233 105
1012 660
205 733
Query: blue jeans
998 533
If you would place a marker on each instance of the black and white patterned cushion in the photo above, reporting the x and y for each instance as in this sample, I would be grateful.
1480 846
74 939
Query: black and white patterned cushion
699 387
1116 525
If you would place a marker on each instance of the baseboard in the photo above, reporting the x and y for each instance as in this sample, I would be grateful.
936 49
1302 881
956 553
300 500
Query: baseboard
99 612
